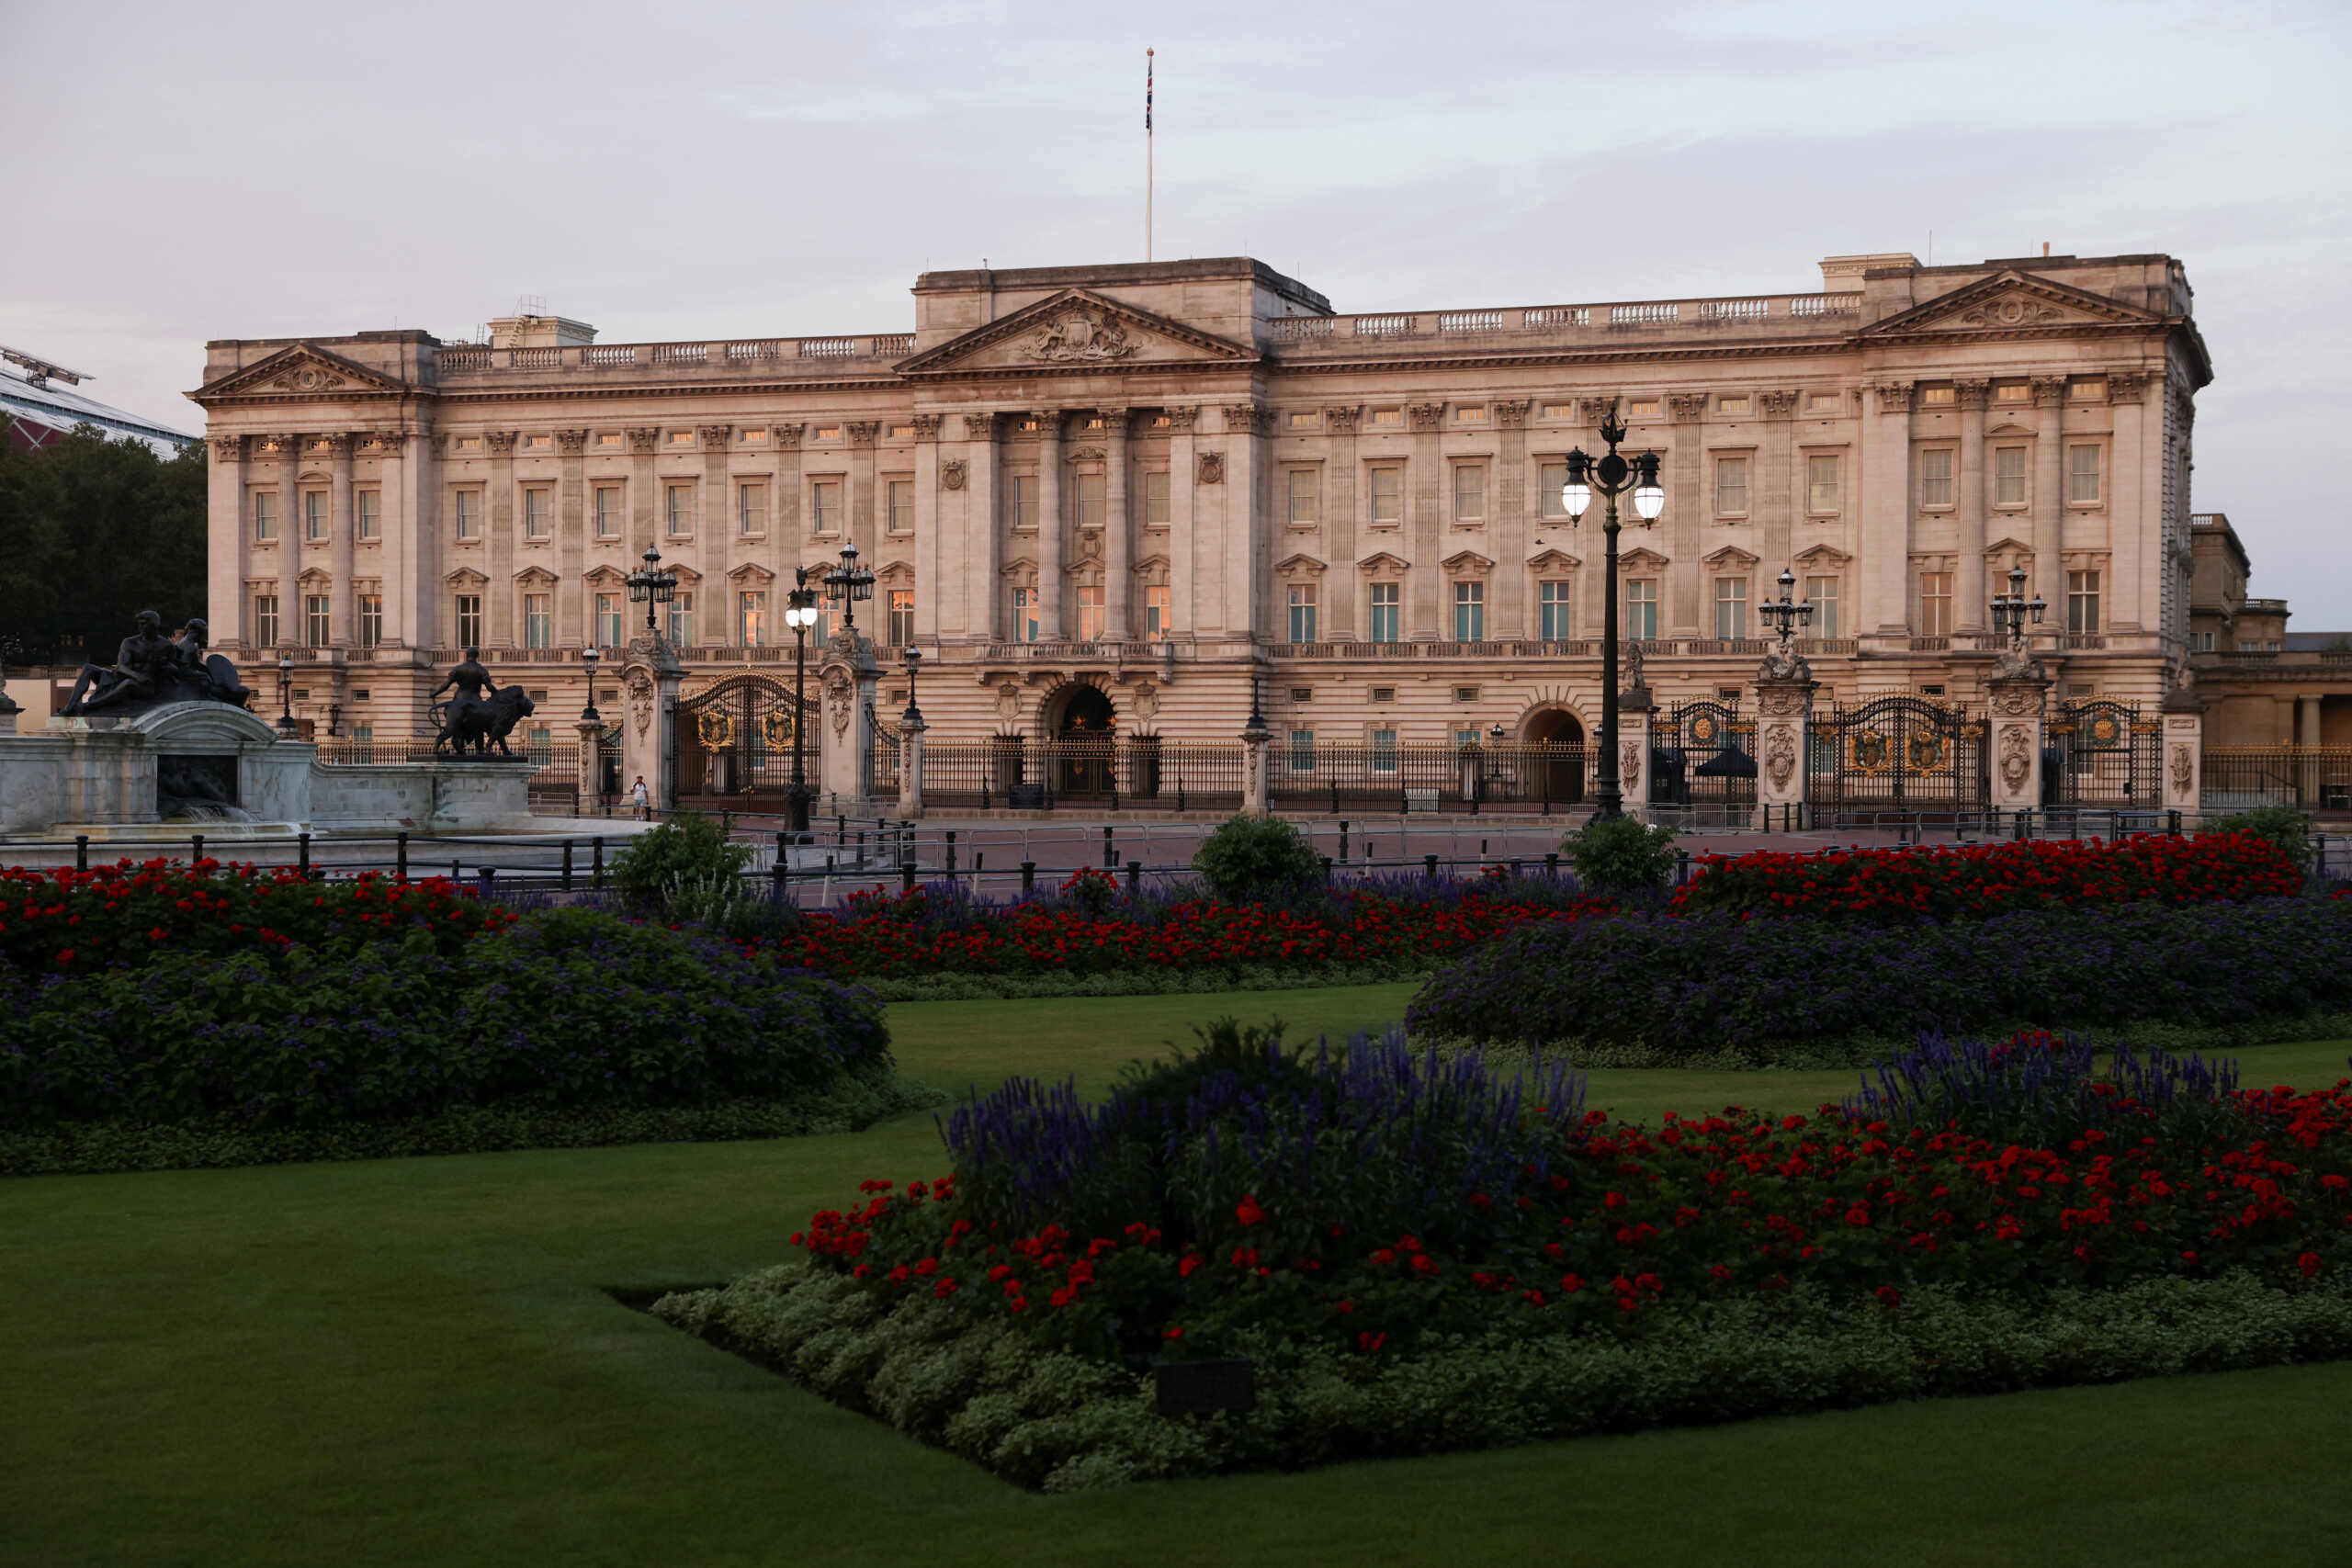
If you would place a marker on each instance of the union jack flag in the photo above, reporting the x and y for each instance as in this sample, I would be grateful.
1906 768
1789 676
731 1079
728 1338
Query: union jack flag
1146 90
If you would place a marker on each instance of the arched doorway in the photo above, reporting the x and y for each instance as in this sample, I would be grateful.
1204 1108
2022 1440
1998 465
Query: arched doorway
1085 741
1554 761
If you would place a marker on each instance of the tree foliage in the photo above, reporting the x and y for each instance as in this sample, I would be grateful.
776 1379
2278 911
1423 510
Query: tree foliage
95 531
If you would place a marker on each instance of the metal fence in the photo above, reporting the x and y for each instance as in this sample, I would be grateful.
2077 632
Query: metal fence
1139 773
1423 780
2314 778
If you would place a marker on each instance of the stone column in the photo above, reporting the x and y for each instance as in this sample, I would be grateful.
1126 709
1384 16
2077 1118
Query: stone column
1183 509
1782 496
649 679
1243 544
1689 503
1339 511
224 590
343 625
1885 606
2020 707
642 499
2307 714
1783 720
1510 520
2184 759
1049 525
863 433
1968 616
289 540
1118 532
573 627
1425 522
847 678
985 526
591 732
715 532
499 610
910 729
936 555
2141 564
2050 496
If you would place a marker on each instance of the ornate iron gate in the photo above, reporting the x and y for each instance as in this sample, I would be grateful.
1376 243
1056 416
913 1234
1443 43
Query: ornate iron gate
1703 754
1897 753
2101 752
735 742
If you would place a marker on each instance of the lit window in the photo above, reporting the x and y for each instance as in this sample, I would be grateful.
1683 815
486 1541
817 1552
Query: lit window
1469 612
2082 602
468 620
1388 496
682 619
751 508
1386 612
1935 603
1389 416
264 619
1306 494
1731 487
1642 408
372 513
1641 608
901 624
1935 477
608 512
751 617
678 507
681 438
1731 607
2012 392
470 514
371 620
1470 492
1473 414
315 514
1822 402
608 620
534 513
1733 405
1383 751
1304 421
1090 500
317 624
538 620
901 500
1090 612
2081 473
1552 612
1821 484
1301 750
1823 592
1302 611
1024 615
2008 475
1155 613
1155 499
1939 397
2086 391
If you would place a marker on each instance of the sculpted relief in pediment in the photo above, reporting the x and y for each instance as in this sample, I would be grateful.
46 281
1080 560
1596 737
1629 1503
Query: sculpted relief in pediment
1080 333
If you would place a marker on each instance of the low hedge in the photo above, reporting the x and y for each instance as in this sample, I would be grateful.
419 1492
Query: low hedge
1722 989
1047 1419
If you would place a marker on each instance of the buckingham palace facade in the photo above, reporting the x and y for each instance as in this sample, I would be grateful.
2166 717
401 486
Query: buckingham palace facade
1163 489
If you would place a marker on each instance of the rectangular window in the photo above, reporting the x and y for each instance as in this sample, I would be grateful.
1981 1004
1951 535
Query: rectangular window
752 507
1935 477
2082 600
1025 500
678 507
2008 475
1641 609
371 620
608 512
318 628
682 619
1090 612
608 620
1731 607
751 617
2081 473
536 510
265 516
1388 612
1024 615
538 620
901 627
900 499
1090 500
1731 487
468 620
1935 603
2204 641
1387 497
1465 739
372 513
1823 592
470 514
1155 613
264 619
1821 484
825 512
314 515
1302 611
1552 478
1306 494
1383 751
1469 492
1469 612
363 736
1552 611
1155 499
1301 750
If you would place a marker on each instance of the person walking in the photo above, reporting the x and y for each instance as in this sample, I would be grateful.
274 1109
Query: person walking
640 799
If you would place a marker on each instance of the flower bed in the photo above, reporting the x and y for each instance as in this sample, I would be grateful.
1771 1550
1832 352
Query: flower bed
1383 1232
1979 880
1720 988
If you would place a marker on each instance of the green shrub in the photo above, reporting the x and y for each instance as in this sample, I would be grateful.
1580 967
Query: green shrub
2281 825
1619 854
1250 858
690 846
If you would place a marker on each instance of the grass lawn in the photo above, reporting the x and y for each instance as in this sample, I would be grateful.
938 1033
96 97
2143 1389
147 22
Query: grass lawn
408 1362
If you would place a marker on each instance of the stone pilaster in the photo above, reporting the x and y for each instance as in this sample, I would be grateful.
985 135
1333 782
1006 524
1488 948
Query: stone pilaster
573 627
910 729
1783 722
2020 705
343 628
1050 586
1968 616
649 678
2184 751
591 732
499 607
225 598
290 539
1118 532
847 678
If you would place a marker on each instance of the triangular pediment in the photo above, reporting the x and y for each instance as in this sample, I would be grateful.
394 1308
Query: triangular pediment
1381 560
535 577
1462 562
1823 555
1643 559
2010 542
1299 564
752 572
2010 302
1730 554
301 371
1080 331
1554 560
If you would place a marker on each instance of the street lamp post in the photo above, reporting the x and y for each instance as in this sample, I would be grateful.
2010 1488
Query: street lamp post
1786 613
1611 476
286 695
588 658
800 613
2011 610
913 660
651 586
848 585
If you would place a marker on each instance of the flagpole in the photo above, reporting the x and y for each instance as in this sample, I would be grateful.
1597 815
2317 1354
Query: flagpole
1146 154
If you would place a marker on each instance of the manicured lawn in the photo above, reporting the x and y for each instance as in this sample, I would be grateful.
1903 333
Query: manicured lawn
410 1362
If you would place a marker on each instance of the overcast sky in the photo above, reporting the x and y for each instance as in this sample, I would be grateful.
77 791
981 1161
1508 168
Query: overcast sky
175 173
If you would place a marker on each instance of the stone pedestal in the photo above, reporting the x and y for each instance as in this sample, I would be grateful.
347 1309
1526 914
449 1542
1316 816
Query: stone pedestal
1256 795
592 734
1635 708
910 729
2184 757
1783 739
649 678
847 677
2019 708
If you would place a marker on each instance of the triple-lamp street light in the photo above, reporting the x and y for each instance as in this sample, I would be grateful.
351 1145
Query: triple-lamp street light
650 585
2012 610
1611 476
1786 613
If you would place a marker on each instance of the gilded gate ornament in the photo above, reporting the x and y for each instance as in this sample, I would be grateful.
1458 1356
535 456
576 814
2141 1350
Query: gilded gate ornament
716 730
776 730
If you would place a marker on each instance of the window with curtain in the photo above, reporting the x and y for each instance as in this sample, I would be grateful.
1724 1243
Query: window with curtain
2081 473
1551 479
1304 494
752 507
1731 607
1383 751
1935 477
682 619
1155 499
315 514
1388 495
370 503
901 500
1469 492
264 619
317 625
1388 612
371 620
1935 603
1090 500
265 516
1302 611
1090 612
538 620
901 624
1301 750
1821 484
1025 500
1469 612
470 514
536 510
608 512
678 507
2008 475
1552 611
1731 487
1823 592
825 515
1155 613
608 620
468 620
2082 602
751 617
1024 615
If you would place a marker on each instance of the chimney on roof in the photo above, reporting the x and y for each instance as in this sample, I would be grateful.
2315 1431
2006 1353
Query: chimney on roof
539 332
1843 274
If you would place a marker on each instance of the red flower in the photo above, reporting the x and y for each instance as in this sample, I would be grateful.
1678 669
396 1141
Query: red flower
1888 1296
1248 1213
1370 1341
1192 1261
1173 1334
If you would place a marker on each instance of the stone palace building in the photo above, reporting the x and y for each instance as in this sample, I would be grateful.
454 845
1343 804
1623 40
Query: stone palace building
1121 495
